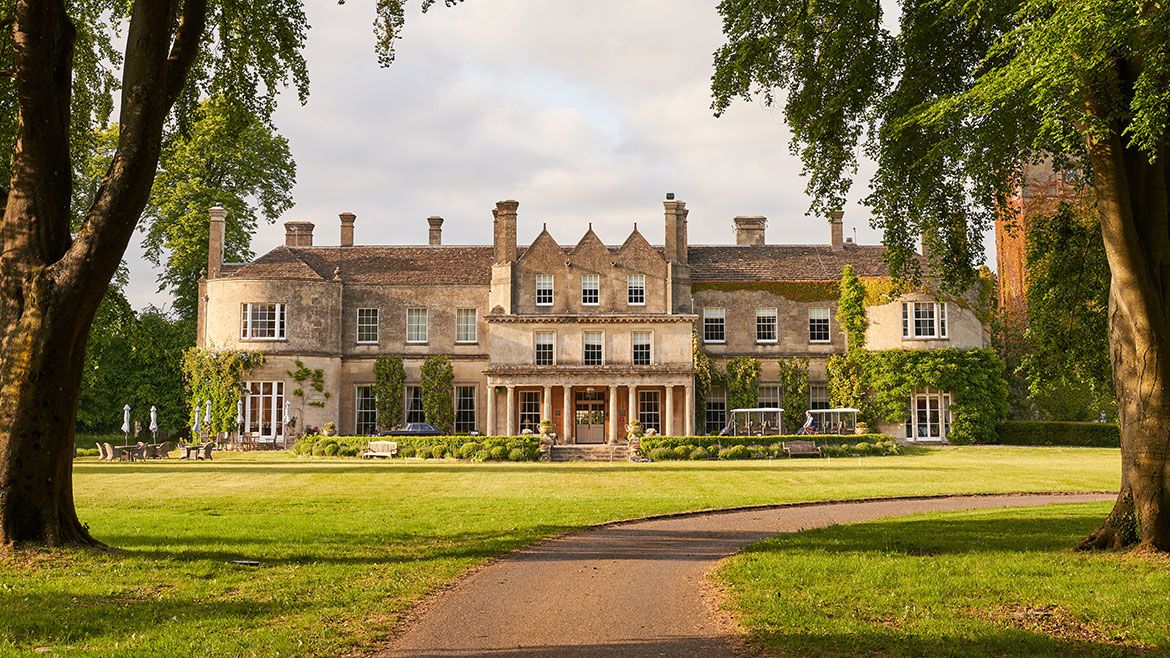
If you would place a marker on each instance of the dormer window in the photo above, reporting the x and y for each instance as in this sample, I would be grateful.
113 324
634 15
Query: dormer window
590 289
262 321
636 289
544 289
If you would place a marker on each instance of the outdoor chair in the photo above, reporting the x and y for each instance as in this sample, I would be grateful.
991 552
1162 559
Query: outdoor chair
149 452
204 451
101 452
109 452
164 450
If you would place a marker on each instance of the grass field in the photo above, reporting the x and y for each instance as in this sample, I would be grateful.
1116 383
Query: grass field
346 546
983 583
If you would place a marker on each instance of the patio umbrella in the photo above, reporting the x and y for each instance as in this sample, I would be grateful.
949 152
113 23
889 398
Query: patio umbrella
126 423
207 416
198 427
154 421
239 419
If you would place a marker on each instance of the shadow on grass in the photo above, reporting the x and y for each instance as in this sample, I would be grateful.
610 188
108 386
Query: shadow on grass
986 640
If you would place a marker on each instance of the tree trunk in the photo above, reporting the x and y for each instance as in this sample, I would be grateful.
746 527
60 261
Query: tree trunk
51 281
1132 201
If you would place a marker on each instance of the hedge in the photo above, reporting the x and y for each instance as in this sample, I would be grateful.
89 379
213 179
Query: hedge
649 444
479 448
1058 433
768 448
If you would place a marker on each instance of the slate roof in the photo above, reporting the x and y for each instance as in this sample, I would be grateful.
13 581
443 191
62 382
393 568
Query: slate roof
472 265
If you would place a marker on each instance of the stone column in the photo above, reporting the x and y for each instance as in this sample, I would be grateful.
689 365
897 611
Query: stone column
546 404
689 412
490 430
510 429
669 410
613 434
632 404
568 419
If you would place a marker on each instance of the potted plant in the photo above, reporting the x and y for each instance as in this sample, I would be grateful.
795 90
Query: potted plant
329 429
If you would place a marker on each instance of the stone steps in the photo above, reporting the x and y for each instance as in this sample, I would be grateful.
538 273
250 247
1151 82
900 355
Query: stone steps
590 453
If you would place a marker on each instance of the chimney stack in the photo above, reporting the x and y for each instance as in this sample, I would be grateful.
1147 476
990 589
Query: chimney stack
504 234
749 229
215 240
837 229
436 231
347 219
298 234
676 229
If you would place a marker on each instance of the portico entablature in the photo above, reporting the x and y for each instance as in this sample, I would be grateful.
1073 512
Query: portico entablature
618 375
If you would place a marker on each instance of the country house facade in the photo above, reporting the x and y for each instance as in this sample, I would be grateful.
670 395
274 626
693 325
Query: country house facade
586 336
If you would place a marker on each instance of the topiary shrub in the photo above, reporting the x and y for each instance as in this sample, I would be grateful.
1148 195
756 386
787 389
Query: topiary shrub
348 451
331 449
683 451
482 455
439 451
468 450
734 452
776 450
700 453
424 452
517 455
498 453
662 454
758 452
407 451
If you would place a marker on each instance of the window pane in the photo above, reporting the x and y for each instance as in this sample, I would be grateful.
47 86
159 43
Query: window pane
367 325
766 325
464 408
636 289
366 418
590 289
818 396
642 348
818 325
262 321
716 412
545 347
924 320
648 412
593 348
544 289
714 329
414 408
417 325
465 329
769 397
530 411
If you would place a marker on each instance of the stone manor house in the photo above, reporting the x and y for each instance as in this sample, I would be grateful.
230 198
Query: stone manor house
584 335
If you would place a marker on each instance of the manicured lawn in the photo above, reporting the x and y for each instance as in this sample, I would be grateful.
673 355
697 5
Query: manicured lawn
982 583
346 546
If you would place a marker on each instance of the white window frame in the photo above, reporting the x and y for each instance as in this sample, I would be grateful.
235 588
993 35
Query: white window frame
595 280
634 335
461 337
721 398
406 410
650 410
774 396
247 328
541 280
585 347
938 322
635 289
827 319
359 426
461 426
712 313
366 325
426 326
822 386
765 313
530 410
536 347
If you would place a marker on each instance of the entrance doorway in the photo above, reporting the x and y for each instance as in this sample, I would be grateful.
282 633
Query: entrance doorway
929 417
590 416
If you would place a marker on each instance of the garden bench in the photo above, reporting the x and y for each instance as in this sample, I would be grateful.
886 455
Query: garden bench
380 449
800 449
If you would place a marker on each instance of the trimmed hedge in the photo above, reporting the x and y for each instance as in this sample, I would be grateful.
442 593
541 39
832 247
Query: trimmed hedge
478 448
1058 433
764 447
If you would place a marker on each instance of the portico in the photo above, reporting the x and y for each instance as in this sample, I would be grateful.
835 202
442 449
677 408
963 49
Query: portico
590 404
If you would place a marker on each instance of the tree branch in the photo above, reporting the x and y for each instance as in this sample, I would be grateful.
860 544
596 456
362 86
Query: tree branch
192 23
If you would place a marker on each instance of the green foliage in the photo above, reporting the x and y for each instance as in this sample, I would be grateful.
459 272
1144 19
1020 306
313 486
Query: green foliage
218 376
440 451
735 452
661 454
700 453
716 443
227 156
849 384
851 310
707 375
389 390
765 447
315 377
1066 361
973 377
438 392
743 382
794 389
469 450
1058 433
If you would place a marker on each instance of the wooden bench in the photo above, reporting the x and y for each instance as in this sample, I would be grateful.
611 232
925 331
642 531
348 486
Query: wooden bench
800 449
380 449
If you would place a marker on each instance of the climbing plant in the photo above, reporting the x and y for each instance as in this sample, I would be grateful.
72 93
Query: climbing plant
217 376
743 382
707 375
794 388
851 310
438 392
389 390
849 384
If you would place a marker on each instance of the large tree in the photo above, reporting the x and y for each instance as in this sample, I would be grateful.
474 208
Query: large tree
53 273
950 104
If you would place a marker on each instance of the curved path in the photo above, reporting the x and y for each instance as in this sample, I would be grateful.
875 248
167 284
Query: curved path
631 589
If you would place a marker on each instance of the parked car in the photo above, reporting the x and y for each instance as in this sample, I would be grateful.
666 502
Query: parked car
415 429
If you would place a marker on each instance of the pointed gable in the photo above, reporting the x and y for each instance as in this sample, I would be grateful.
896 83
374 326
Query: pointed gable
543 247
590 249
637 247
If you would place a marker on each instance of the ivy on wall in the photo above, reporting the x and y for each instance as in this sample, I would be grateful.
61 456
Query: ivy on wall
851 310
707 376
217 376
315 377
389 390
794 389
438 392
742 382
849 385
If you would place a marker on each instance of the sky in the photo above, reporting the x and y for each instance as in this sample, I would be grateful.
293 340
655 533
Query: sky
582 110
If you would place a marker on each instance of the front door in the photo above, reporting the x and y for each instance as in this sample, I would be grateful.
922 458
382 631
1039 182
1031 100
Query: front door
590 416
928 418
